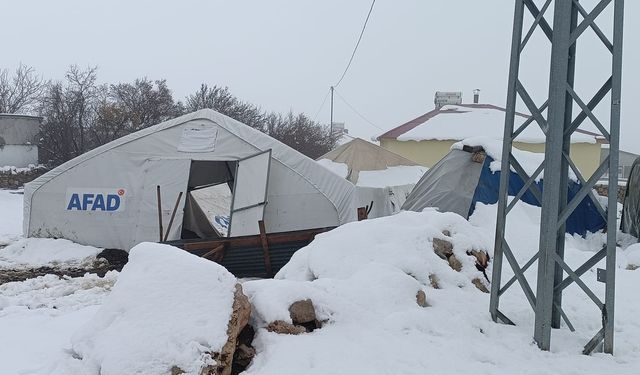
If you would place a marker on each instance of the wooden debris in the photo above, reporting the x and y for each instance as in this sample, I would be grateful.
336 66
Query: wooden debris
282 327
421 299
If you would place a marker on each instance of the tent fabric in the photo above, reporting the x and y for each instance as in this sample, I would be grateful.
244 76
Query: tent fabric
386 201
630 222
360 155
449 185
301 193
457 184
585 218
196 220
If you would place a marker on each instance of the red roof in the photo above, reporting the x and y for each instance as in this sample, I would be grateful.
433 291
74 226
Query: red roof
409 125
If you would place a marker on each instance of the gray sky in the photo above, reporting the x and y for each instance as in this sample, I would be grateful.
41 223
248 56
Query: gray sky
284 55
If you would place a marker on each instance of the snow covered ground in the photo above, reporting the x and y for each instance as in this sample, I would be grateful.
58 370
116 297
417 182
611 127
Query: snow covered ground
363 278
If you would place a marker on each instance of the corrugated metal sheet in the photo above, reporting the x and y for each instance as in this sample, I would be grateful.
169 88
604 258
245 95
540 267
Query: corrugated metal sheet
249 261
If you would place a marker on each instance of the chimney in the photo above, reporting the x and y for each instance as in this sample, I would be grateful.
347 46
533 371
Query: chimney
443 98
476 96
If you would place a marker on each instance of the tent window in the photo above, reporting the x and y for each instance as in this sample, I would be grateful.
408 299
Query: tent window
198 138
208 201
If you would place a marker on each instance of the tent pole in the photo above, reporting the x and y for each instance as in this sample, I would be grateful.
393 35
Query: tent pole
159 212
173 215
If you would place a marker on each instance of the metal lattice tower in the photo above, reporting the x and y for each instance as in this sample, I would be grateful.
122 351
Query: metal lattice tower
570 21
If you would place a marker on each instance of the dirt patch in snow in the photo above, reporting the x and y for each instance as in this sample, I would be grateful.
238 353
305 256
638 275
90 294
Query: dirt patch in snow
107 260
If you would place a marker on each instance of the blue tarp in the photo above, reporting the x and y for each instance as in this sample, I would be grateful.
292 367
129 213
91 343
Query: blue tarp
585 218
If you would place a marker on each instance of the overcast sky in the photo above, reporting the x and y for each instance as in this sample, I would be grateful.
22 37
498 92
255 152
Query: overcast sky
284 55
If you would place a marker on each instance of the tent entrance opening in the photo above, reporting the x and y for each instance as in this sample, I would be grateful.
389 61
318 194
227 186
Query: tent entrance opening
208 201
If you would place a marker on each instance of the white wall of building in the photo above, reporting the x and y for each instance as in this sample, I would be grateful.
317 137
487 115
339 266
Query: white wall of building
18 155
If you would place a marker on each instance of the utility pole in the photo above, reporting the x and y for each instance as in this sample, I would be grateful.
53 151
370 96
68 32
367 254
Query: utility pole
554 275
331 118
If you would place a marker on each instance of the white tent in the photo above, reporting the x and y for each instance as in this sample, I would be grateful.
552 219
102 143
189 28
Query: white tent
107 197
380 176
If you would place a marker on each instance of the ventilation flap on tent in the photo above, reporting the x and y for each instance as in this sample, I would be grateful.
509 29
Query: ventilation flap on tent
198 138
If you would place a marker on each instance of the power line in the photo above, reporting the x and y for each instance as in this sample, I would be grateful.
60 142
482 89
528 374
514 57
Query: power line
364 26
321 106
356 111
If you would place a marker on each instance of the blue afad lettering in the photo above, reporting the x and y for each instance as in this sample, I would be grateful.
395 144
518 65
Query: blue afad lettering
93 202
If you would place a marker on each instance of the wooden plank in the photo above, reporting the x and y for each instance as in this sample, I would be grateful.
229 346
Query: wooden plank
251 241
217 254
362 213
265 248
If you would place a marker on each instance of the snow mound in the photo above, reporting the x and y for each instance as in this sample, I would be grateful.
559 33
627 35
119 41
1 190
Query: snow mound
373 292
39 315
370 270
61 294
403 240
632 256
38 252
15 170
392 176
167 308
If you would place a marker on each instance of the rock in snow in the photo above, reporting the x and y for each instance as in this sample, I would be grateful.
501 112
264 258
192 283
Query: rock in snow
168 310
302 312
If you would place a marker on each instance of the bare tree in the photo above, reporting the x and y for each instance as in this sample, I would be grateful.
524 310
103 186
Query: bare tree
297 131
145 102
128 107
19 92
301 133
68 110
221 100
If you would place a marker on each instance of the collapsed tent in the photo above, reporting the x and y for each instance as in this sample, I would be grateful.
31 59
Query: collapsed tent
468 175
108 197
380 176
630 222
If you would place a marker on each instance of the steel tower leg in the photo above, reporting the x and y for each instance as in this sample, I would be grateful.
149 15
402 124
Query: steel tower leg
570 20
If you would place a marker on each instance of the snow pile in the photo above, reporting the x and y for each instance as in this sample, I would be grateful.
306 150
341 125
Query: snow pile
522 226
392 176
403 240
457 122
632 256
530 161
55 292
363 279
167 308
374 291
39 252
16 170
10 216
38 317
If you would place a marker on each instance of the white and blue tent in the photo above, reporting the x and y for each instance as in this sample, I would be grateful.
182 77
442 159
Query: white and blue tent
470 175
